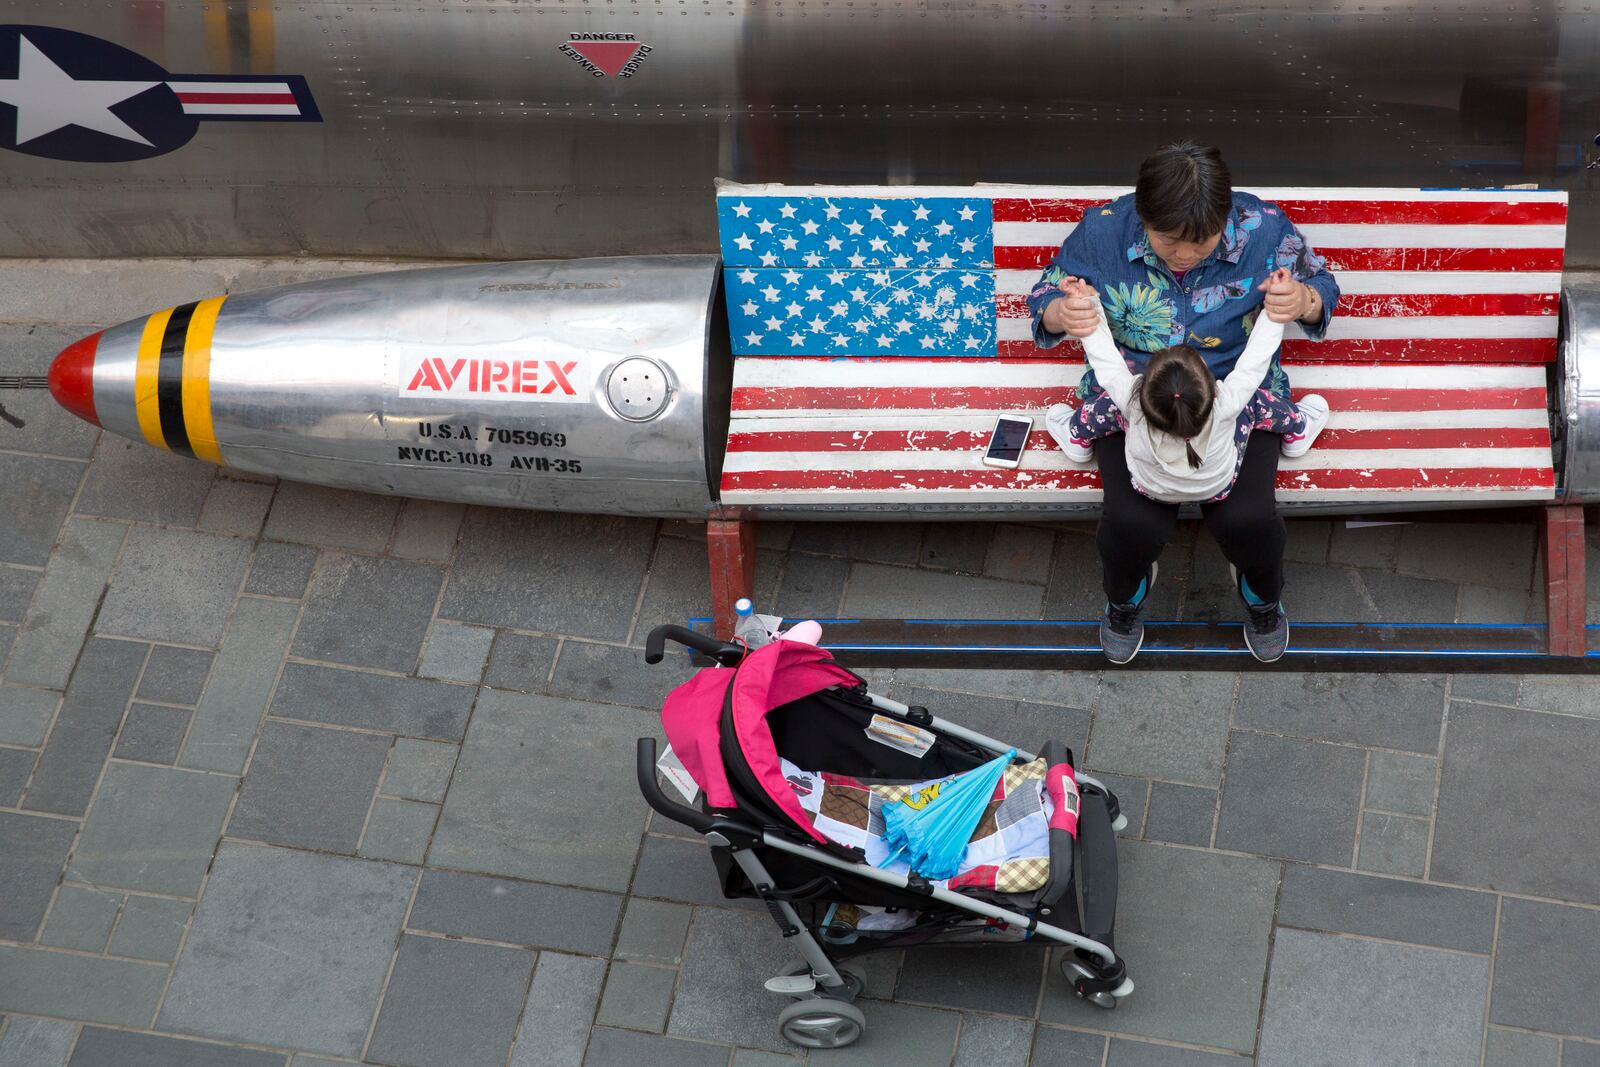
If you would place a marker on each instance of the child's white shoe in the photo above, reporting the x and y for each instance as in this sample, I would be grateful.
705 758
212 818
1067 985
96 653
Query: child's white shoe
1058 420
1314 406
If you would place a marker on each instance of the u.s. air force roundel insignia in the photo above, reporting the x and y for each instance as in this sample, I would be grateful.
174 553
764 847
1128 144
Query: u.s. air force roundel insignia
67 95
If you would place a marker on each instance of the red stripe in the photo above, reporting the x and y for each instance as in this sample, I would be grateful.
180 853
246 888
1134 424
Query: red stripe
1037 257
848 441
1329 212
1424 399
1043 481
1380 306
993 398
1298 350
1438 437
237 98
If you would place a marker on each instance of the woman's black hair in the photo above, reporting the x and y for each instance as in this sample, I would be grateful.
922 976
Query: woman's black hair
1184 190
1176 394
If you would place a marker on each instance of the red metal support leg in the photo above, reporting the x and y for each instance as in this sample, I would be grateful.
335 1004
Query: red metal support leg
1565 588
731 548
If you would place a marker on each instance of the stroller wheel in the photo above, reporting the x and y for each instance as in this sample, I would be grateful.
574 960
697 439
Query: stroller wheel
1102 1000
822 1023
854 984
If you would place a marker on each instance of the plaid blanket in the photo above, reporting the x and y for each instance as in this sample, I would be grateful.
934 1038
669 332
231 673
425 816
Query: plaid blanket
1009 851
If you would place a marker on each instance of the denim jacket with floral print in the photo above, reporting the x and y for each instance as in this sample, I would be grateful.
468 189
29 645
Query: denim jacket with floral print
1217 302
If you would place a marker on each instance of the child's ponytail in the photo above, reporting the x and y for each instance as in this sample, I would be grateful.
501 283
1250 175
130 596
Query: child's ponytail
1176 395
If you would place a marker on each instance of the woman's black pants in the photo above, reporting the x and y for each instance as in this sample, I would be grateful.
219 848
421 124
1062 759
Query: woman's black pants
1247 525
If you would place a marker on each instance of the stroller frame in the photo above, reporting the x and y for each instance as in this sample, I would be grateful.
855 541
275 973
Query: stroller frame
1097 973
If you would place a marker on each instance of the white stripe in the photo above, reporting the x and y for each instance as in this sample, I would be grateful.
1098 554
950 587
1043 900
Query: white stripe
861 422
1052 460
276 88
1043 494
241 109
998 190
1374 282
1339 235
1363 327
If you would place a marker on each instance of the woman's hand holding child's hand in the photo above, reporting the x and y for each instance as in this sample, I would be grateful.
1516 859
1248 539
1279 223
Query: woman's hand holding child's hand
1078 313
1287 299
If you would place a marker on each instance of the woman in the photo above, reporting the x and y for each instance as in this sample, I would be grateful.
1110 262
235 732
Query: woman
1184 260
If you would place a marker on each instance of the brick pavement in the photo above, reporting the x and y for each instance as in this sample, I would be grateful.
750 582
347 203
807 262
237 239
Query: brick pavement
293 777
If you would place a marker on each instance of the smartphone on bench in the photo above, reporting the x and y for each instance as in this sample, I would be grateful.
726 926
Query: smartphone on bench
1010 437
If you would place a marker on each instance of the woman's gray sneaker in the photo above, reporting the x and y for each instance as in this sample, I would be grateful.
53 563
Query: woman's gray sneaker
1121 628
1267 631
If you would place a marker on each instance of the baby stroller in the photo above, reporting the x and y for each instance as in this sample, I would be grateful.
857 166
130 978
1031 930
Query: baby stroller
794 760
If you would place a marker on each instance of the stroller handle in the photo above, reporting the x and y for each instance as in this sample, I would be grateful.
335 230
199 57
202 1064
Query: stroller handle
723 652
645 753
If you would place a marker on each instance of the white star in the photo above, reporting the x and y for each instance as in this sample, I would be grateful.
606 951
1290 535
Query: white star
901 261
949 326
47 98
945 262
813 293
927 342
789 243
968 244
921 213
883 341
744 242
899 229
858 260
819 324
810 227
752 338
880 311
793 309
921 244
902 296
742 209
925 310
876 212
841 339
969 280
878 244
966 214
943 229
924 278
854 228
749 307
836 277
834 244
747 276
771 293
787 210
791 276
797 339
972 343
832 212
769 259
764 226
773 323
878 277
861 325
903 326
812 259
840 308
859 295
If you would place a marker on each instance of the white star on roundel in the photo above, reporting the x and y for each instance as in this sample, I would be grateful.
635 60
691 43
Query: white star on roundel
47 99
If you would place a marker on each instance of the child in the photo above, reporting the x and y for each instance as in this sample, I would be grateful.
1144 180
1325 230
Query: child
1186 431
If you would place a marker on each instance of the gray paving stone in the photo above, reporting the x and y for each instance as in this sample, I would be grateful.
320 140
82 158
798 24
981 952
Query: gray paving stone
85 988
956 546
37 1043
680 870
879 542
1480 604
1401 783
241 683
16 590
520 662
152 829
565 991
1131 794
35 493
1579 1054
720 996
152 734
608 1047
653 931
1124 1053
456 653
32 854
899 1035
513 567
235 507
451 1004
1490 688
419 770
331 518
1295 799
1077 689
1176 907
131 480
1322 593
1180 814
1484 553
1388 908
1055 1047
1375 547
1383 710
309 787
811 586
15 766
1393 844
523 801
1508 1048
280 570
876 590
8 635
1560 693
1373 1025
608 674
1308 540
637 997
29 348
408 707
678 586
288 949
1020 554
520 913
745 1057
80 919
317 1061
1473 825
151 928
427 530
1540 942
368 612
398 830
1025 724
993 978
119 1048
1139 729
25 715
85 727
47 644
987 1041
174 585
175 675
1075 590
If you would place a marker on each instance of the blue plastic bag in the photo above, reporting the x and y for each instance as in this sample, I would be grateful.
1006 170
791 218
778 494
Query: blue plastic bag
933 839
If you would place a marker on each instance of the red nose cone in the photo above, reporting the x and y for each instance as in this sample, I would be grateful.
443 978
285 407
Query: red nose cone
72 378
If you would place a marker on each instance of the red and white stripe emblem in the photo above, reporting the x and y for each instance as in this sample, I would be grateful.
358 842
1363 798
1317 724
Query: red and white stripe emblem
237 99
